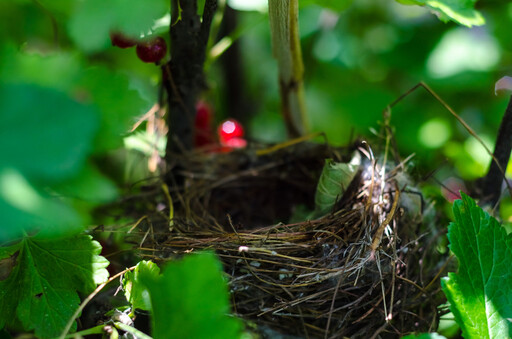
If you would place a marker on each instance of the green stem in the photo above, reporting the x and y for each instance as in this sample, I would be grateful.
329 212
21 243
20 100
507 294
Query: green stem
93 330
284 27
132 330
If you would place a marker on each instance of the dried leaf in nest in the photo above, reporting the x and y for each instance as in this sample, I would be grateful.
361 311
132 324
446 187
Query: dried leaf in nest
356 270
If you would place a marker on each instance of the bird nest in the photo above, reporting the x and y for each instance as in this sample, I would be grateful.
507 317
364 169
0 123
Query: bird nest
369 267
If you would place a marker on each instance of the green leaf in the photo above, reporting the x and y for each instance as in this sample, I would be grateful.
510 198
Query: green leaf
119 104
45 138
333 182
47 141
136 292
111 96
190 300
24 209
41 290
89 185
53 70
333 5
460 11
93 20
480 294
424 336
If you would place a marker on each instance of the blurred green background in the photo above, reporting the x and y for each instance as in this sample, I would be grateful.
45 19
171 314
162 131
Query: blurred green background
70 99
360 60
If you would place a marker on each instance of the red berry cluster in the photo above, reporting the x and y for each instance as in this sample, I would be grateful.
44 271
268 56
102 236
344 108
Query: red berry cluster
151 50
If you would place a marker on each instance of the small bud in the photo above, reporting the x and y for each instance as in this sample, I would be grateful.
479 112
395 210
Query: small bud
504 84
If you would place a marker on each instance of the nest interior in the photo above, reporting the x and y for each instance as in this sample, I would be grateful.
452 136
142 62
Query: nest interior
368 268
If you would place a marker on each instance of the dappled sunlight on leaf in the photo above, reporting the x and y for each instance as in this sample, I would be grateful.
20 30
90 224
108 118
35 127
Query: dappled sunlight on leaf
479 293
190 300
41 290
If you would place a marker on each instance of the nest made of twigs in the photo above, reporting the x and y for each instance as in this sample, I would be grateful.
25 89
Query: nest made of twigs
368 268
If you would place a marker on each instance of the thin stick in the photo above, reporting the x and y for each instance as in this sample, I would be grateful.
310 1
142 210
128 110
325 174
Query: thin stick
89 298
380 231
338 284
389 316
137 223
383 288
459 119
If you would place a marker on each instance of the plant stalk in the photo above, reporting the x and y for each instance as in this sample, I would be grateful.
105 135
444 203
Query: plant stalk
183 76
284 27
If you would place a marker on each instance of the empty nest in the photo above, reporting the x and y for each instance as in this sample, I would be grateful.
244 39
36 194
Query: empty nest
369 268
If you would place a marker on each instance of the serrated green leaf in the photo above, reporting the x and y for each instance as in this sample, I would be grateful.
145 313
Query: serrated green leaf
190 300
136 292
460 11
41 290
480 294
92 21
333 182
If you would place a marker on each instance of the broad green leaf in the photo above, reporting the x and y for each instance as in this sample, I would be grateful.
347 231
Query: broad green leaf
24 209
93 20
110 94
136 292
480 293
460 11
333 182
44 134
118 103
89 185
58 71
190 300
41 289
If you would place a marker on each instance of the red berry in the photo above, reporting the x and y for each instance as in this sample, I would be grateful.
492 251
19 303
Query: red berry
151 50
122 41
228 130
203 125
236 143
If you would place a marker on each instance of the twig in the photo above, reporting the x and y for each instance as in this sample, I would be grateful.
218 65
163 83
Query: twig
393 276
506 129
380 231
88 299
491 183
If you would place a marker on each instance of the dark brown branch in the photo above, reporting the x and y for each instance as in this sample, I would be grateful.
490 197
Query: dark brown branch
189 38
238 103
492 183
210 7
